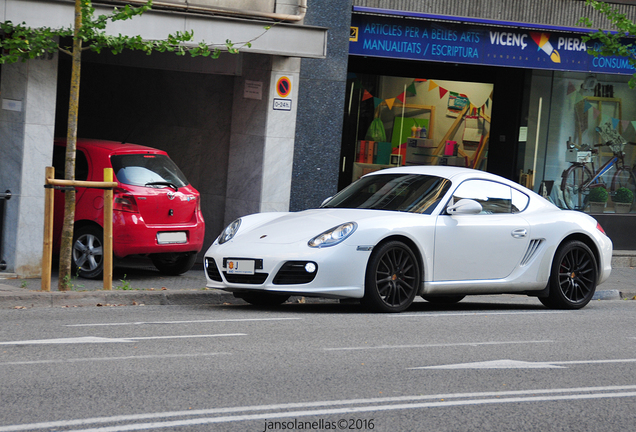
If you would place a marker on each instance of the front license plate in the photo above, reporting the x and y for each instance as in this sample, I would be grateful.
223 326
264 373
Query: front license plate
172 237
245 267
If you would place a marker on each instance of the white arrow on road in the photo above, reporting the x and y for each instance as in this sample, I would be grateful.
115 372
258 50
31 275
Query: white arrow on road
516 364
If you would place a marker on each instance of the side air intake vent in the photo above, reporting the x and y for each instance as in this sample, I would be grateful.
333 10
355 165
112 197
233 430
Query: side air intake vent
533 247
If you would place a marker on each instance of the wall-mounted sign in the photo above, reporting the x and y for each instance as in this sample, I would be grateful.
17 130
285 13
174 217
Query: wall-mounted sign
404 38
11 105
353 34
283 86
282 104
253 90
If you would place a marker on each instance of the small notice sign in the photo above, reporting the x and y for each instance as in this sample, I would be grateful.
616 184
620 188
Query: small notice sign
282 104
11 105
253 90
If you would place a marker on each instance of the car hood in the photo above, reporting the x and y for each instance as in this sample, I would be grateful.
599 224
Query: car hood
288 228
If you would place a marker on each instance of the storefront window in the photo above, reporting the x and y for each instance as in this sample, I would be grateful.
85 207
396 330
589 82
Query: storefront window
580 143
393 121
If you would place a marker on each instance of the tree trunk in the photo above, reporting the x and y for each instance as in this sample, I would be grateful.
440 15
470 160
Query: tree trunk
64 282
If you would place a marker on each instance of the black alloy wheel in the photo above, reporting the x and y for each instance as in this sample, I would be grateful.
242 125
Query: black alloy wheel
392 278
573 277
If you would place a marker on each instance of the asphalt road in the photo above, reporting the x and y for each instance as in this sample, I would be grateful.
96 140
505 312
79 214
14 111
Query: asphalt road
500 363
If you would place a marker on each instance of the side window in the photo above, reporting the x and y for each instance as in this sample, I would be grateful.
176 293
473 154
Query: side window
58 161
81 166
494 197
519 201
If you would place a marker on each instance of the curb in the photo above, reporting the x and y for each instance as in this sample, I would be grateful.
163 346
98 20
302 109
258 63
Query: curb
15 299
622 259
607 295
32 299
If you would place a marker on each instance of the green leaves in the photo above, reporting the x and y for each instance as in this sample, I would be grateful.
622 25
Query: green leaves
21 43
612 43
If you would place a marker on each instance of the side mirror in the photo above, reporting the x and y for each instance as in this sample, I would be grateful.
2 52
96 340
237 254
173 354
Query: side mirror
464 206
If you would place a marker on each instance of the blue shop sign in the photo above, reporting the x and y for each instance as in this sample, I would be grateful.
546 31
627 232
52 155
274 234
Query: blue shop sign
377 36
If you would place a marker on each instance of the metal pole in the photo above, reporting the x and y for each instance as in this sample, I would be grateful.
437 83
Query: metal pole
536 144
4 196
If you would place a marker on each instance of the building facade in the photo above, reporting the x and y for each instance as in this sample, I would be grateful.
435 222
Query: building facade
507 84
216 118
503 86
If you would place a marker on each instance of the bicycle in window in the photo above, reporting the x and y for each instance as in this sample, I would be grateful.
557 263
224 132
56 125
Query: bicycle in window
579 179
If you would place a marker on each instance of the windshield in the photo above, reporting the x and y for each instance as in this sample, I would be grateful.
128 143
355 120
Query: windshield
154 170
412 193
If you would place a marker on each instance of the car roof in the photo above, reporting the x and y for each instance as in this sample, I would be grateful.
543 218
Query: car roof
111 146
449 172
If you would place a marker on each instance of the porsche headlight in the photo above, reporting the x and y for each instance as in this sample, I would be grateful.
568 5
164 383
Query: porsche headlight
229 232
333 236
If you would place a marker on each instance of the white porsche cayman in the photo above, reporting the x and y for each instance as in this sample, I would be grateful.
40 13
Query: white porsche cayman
434 231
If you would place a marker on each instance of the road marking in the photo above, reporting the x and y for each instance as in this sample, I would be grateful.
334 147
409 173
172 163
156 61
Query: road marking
514 364
330 408
180 322
94 359
444 314
94 339
495 364
472 344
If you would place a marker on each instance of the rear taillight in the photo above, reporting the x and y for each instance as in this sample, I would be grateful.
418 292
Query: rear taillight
198 204
600 228
125 201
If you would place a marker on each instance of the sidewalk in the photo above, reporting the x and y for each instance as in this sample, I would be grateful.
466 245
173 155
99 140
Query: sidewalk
140 283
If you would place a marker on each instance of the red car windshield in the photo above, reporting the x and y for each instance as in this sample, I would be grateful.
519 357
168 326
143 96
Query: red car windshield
152 170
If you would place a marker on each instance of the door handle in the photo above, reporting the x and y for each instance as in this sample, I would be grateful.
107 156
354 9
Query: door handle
519 233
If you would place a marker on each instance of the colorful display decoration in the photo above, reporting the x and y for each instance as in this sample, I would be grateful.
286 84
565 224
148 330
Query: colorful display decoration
457 101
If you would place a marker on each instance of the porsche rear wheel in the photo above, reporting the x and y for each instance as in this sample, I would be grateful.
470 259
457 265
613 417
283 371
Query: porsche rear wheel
263 298
392 278
573 278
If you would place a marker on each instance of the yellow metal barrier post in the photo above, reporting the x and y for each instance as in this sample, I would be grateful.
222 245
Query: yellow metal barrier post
47 250
108 231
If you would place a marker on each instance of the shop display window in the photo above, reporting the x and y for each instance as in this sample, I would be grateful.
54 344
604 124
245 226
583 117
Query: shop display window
394 121
583 157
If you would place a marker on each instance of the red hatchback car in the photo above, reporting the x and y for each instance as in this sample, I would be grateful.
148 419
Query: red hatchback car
156 212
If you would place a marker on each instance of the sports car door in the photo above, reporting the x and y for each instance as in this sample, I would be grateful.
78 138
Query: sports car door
488 245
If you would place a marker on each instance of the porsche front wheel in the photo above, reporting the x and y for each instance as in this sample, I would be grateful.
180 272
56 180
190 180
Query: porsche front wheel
392 278
573 277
